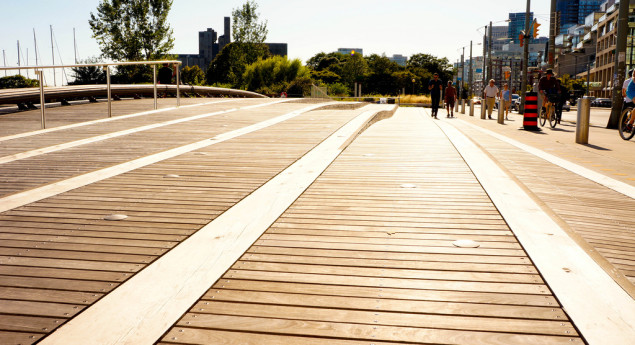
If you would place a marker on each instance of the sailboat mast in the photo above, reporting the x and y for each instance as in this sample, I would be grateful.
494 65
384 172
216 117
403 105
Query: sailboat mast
74 46
19 72
35 44
53 55
4 58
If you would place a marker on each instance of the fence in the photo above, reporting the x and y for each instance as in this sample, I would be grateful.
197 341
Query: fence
39 71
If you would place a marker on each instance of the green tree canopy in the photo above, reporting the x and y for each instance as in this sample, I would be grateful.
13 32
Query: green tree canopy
89 74
192 75
131 30
246 26
229 65
273 75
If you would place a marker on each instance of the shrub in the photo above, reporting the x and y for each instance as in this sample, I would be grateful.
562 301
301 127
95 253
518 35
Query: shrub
17 82
338 90
192 75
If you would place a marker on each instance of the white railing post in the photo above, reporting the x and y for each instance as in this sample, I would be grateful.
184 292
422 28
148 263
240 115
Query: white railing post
154 77
40 74
178 86
108 91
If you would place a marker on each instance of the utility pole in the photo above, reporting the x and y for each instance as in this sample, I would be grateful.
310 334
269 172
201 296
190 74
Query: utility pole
490 72
484 60
620 64
523 77
470 74
462 74
552 35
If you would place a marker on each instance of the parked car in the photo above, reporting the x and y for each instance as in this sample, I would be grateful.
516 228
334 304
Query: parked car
602 102
515 102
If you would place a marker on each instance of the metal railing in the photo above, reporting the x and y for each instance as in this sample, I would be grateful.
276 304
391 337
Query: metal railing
39 71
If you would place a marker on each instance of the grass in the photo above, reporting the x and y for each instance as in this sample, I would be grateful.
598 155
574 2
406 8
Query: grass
410 99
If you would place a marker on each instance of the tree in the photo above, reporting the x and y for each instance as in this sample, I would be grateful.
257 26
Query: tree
132 30
88 74
129 30
246 27
275 74
192 75
229 65
354 70
425 65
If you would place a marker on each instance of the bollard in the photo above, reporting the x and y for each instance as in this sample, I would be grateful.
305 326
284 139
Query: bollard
530 116
471 107
483 106
462 106
456 106
501 111
582 123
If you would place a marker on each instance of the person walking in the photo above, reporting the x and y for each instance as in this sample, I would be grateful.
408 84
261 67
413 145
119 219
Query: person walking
435 86
450 99
490 93
506 96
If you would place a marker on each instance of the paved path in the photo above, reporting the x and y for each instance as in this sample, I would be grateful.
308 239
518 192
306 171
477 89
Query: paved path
254 222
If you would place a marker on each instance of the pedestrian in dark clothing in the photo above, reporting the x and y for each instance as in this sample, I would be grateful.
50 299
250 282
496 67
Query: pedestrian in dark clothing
435 86
165 75
450 99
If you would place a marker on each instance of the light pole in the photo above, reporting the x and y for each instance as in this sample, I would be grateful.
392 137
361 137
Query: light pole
413 86
523 77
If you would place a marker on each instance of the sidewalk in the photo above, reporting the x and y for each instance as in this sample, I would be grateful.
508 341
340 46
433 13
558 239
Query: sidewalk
606 152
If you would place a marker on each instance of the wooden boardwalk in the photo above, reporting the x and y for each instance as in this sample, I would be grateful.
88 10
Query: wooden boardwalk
366 253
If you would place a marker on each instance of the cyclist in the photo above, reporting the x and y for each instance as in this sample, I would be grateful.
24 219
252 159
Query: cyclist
629 92
548 90
628 102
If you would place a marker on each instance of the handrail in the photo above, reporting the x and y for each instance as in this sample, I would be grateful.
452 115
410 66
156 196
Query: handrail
106 66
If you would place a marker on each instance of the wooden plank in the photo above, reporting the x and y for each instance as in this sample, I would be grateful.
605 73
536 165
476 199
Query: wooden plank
33 324
39 308
45 295
386 272
369 332
469 310
16 338
387 292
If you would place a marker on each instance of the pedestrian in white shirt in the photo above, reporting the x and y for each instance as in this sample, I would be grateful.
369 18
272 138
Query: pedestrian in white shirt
490 93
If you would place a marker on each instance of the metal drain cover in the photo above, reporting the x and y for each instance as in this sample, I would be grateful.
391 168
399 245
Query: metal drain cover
115 217
466 244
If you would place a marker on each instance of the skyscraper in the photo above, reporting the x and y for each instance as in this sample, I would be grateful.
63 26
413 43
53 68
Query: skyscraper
517 24
573 12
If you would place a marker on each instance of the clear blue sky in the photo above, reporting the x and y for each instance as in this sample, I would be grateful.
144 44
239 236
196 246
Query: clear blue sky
402 27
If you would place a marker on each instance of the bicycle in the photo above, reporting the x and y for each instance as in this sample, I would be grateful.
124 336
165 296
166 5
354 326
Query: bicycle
548 112
626 124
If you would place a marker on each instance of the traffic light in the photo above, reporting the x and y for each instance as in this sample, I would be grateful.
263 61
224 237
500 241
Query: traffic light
536 25
521 37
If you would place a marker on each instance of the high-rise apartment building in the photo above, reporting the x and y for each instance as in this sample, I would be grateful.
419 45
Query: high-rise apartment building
517 24
573 12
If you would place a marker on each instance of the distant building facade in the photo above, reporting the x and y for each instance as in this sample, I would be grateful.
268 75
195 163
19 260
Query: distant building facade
348 51
517 24
500 36
399 59
210 44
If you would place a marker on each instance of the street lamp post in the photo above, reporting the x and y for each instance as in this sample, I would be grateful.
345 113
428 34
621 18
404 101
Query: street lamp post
413 86
523 84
